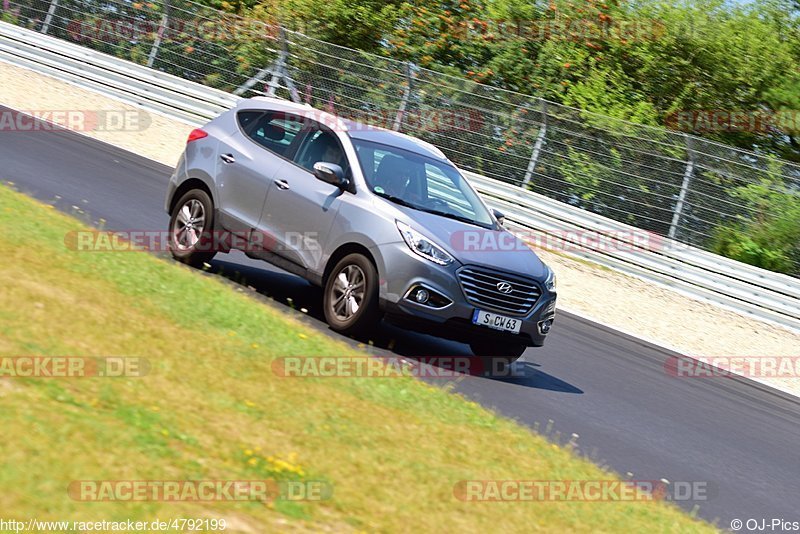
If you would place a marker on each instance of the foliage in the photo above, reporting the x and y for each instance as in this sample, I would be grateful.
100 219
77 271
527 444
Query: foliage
361 24
621 69
771 238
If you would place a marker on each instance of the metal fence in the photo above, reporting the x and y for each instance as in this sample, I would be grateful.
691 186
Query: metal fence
663 181
757 293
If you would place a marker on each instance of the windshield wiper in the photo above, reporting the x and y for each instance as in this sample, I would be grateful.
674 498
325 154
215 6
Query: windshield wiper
448 215
397 200
453 216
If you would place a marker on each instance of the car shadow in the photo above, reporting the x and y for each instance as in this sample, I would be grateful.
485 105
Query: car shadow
281 287
528 374
386 340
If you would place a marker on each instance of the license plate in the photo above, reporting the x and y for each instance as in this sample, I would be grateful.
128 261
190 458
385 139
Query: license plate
496 321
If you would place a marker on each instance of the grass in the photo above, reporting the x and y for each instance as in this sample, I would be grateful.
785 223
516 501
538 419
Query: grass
211 408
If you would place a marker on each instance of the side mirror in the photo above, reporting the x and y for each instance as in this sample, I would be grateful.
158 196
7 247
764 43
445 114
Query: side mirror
500 216
330 173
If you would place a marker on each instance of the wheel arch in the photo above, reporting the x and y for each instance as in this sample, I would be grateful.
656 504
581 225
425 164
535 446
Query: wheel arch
345 250
188 185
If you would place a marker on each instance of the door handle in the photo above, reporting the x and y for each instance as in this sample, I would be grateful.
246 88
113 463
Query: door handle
282 184
228 158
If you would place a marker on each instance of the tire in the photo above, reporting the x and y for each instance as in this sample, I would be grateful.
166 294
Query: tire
496 358
196 246
351 295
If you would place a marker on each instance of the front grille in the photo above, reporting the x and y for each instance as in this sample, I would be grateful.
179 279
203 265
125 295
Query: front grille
480 286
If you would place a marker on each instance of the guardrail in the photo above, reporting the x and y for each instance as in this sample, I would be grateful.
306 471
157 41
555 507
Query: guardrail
749 290
122 80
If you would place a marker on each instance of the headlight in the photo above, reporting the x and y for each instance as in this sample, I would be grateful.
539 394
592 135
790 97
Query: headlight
423 246
550 282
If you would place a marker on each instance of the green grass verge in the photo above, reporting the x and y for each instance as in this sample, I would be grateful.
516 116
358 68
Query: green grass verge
211 408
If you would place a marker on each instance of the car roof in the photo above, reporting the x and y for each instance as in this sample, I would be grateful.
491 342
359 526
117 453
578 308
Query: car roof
384 136
354 129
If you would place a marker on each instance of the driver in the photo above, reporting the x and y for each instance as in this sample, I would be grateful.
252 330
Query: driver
395 185
394 175
324 148
332 153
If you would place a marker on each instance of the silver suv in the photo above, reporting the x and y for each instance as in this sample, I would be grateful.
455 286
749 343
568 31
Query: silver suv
383 222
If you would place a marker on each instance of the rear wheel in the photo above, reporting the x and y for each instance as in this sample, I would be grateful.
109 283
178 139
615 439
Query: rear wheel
496 358
351 295
191 225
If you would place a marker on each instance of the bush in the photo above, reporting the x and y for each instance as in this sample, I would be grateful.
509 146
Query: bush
734 243
770 238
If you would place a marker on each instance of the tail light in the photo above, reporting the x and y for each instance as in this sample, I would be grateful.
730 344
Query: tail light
196 134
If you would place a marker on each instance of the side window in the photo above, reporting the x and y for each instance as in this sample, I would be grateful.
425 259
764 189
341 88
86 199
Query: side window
273 131
321 145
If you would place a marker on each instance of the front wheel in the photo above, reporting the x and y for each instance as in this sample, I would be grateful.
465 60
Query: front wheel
351 295
191 227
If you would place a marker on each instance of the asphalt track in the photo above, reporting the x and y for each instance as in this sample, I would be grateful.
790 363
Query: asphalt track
737 438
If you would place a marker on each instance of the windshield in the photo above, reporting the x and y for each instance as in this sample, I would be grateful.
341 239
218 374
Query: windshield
420 182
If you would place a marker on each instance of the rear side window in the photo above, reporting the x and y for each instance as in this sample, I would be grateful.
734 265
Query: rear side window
272 130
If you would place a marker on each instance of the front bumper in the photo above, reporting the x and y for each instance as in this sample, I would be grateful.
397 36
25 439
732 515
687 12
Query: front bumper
400 269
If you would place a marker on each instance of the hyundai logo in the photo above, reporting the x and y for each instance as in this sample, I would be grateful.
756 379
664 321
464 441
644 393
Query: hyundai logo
504 287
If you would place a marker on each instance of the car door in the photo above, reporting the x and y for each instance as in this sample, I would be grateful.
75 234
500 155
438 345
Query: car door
300 210
249 159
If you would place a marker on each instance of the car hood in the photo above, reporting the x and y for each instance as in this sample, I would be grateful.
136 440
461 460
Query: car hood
473 245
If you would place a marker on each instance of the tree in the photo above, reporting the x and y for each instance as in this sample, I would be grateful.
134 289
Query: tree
361 24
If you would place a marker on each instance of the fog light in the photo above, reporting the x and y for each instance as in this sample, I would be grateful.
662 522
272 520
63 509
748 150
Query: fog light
545 326
427 297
